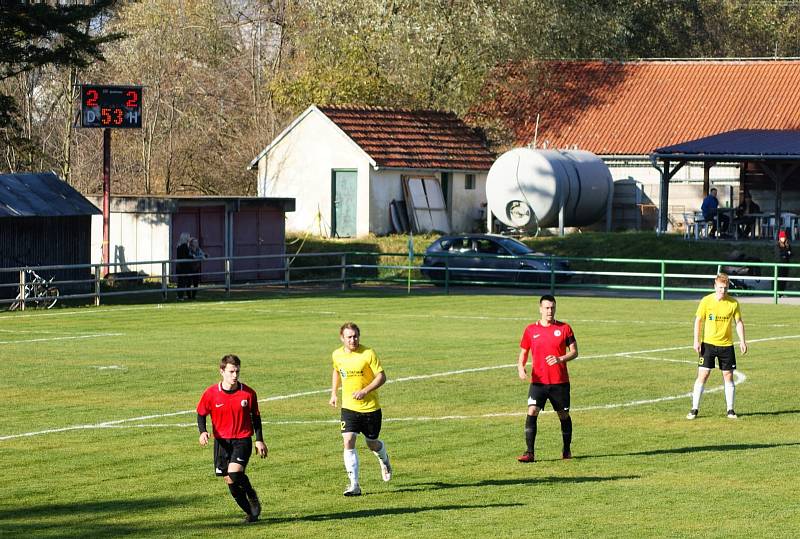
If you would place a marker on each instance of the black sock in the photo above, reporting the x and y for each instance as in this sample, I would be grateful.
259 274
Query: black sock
566 433
248 488
530 431
239 495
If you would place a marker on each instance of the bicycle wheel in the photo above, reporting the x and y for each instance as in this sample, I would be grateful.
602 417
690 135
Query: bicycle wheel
50 297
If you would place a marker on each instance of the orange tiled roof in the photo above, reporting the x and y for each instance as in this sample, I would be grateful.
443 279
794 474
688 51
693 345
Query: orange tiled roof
631 108
413 138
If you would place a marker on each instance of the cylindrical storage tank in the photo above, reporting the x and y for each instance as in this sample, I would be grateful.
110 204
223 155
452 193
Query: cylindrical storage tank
528 188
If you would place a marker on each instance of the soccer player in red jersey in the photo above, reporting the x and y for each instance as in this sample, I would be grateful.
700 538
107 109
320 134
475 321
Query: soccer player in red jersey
551 344
233 408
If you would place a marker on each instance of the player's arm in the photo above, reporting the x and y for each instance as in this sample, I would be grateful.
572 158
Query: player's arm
522 359
698 325
335 383
201 426
740 333
258 429
376 382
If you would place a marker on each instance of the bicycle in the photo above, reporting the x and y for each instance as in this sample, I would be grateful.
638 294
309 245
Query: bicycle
37 291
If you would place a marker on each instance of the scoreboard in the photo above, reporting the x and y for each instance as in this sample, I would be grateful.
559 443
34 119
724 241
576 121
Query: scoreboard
111 106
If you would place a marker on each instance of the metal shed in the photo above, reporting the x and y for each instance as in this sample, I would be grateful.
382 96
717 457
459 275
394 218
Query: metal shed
43 221
148 228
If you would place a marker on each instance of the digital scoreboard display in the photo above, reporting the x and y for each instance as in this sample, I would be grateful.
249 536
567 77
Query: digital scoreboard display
111 106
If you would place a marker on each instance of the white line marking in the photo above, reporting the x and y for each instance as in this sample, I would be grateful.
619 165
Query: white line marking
740 377
70 338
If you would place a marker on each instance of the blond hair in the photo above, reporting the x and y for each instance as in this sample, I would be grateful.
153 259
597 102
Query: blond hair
722 278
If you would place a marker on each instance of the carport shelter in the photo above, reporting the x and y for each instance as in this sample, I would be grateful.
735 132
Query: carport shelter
773 154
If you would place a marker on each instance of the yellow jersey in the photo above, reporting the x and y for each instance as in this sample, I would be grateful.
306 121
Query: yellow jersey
718 317
357 370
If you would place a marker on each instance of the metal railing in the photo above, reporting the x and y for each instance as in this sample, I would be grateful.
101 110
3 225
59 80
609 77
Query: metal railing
93 283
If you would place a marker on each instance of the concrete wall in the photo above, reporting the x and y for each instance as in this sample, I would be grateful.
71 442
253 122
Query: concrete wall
136 234
300 166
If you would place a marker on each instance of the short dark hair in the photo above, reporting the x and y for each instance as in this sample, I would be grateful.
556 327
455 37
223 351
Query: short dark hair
229 359
349 325
547 297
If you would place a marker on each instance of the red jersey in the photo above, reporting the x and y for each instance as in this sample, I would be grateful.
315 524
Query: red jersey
543 341
230 411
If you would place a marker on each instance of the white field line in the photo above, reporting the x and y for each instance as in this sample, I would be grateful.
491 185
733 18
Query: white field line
68 338
228 306
740 377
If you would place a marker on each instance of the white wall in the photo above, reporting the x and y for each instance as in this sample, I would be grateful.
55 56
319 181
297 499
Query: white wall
686 187
300 166
466 203
133 237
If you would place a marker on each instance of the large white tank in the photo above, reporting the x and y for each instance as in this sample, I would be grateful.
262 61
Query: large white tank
528 188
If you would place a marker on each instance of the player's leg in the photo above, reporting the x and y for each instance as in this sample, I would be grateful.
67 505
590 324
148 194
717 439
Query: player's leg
727 364
242 449
536 399
559 398
374 421
704 367
350 431
223 453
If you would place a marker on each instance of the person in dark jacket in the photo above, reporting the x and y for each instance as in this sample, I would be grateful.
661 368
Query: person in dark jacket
183 264
783 252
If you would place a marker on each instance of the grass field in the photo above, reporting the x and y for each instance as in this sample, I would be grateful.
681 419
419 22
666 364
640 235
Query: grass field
98 435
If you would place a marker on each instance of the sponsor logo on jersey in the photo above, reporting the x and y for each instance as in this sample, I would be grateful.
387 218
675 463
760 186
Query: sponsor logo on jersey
218 405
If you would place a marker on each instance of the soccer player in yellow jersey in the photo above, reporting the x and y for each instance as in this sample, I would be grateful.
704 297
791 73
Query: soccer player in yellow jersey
358 371
715 315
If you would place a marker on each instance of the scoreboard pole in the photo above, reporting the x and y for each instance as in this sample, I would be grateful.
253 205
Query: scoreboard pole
108 107
106 198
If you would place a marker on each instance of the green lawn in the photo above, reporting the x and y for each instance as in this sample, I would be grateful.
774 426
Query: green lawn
98 435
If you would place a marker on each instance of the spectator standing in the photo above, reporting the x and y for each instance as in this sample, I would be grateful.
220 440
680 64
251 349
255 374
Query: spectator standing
783 251
183 264
710 209
197 255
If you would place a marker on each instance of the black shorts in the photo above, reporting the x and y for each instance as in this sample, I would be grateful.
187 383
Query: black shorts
724 354
236 450
366 423
557 394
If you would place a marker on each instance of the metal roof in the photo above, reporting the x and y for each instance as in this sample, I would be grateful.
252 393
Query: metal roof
737 145
41 194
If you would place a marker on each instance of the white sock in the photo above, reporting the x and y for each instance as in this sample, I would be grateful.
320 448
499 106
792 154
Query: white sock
730 393
351 465
381 453
696 394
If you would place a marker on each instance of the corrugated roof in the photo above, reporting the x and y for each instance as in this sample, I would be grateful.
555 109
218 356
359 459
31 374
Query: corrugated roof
41 194
413 138
630 108
765 143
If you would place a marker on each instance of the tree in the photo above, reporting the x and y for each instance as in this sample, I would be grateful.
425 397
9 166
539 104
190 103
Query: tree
34 37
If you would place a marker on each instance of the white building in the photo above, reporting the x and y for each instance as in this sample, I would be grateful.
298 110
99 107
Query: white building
345 166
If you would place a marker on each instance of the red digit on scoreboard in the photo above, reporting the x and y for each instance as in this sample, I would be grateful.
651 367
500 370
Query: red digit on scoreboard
91 97
133 99
105 116
118 116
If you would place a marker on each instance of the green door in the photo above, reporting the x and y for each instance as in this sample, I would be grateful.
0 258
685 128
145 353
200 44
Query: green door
344 203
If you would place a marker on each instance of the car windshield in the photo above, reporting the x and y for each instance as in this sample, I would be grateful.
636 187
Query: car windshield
515 247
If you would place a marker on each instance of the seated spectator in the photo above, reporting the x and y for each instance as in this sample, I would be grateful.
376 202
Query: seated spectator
710 209
744 211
